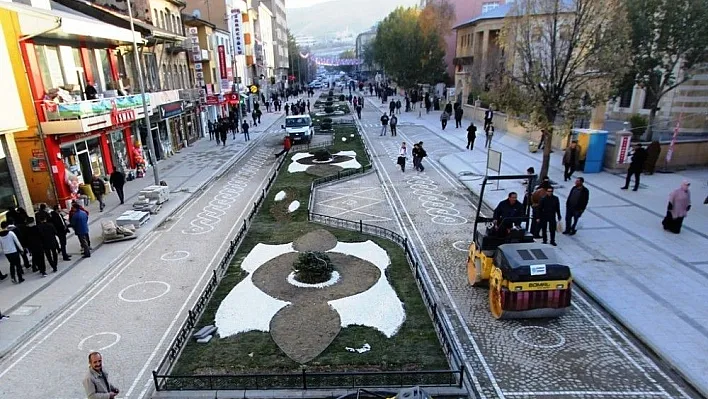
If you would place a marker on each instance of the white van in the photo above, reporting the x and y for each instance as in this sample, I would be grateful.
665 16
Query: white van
299 128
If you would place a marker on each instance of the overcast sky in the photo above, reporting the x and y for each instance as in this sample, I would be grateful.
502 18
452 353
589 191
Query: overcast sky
302 3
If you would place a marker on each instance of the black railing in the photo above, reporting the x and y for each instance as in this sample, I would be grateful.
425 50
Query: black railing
310 380
185 332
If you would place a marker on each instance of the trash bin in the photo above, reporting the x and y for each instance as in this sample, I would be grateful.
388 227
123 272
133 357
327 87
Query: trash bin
592 148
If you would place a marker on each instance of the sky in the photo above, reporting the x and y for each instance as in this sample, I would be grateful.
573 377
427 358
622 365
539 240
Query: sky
302 3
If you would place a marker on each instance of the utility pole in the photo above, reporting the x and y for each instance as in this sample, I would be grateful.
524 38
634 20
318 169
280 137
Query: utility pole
151 144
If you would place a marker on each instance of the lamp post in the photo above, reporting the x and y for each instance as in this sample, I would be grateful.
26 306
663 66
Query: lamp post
151 144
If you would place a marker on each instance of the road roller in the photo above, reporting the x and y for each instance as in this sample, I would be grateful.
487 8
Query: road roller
525 278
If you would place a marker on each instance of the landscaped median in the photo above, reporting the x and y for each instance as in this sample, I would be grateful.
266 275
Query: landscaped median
303 305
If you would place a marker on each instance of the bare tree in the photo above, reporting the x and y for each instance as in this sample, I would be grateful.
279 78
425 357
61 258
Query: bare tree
561 53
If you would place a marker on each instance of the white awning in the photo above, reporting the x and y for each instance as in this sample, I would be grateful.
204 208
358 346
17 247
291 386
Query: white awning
68 24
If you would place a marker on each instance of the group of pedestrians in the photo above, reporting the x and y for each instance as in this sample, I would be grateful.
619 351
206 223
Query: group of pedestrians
33 242
417 153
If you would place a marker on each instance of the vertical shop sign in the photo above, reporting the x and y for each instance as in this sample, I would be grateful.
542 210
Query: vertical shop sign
222 61
236 30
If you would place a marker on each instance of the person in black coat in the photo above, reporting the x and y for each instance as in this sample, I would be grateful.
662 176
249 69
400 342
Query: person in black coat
471 135
117 181
639 157
548 209
36 247
61 229
508 213
99 190
48 236
575 205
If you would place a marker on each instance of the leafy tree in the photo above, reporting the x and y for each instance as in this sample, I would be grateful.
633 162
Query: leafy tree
347 54
409 51
669 39
560 53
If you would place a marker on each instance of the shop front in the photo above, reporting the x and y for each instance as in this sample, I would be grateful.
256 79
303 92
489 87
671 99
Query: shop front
172 126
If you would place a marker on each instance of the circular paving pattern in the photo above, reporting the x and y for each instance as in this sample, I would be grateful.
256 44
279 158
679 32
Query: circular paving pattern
462 246
332 281
334 160
144 291
99 341
319 240
539 337
175 256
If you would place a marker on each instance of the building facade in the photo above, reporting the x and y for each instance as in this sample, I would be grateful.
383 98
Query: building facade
280 41
360 45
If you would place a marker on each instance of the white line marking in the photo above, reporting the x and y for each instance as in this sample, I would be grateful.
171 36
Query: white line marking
116 338
166 286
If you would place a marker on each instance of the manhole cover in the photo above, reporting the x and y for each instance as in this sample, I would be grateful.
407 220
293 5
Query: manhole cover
25 310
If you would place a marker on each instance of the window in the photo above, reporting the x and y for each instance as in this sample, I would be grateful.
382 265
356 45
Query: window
175 77
107 74
174 23
151 71
626 98
155 17
162 20
179 26
489 6
50 66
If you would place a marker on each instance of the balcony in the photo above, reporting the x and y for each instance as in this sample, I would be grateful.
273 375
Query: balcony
91 115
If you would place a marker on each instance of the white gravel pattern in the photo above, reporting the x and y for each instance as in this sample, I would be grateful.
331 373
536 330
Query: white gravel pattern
293 206
332 281
295 166
280 196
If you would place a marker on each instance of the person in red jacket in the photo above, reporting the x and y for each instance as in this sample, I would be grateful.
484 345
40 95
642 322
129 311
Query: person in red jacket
286 147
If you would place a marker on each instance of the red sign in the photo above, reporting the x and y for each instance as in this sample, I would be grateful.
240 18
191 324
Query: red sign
232 98
623 152
123 116
222 62
212 100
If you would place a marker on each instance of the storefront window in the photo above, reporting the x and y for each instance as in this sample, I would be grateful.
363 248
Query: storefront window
95 68
83 159
105 63
119 150
96 157
8 199
50 66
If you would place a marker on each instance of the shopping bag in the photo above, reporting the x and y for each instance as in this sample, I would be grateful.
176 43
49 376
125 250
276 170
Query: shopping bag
559 227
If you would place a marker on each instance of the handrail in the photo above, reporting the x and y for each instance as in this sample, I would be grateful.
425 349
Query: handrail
55 111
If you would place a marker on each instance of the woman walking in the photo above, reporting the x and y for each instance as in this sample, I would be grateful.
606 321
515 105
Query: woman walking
679 205
402 153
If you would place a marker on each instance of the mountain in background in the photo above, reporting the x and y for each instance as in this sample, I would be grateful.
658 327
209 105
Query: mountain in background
324 20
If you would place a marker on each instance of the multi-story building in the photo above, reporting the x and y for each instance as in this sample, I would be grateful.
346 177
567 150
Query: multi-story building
280 40
360 47
84 125
465 10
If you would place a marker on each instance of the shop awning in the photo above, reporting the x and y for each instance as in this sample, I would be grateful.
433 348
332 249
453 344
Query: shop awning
68 24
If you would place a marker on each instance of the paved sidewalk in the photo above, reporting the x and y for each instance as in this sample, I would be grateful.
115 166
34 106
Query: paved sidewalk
37 299
652 281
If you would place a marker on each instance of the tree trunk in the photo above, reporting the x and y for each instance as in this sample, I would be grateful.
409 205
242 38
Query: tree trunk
649 133
548 142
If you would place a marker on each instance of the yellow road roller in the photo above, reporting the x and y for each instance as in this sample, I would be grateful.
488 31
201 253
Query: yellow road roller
525 278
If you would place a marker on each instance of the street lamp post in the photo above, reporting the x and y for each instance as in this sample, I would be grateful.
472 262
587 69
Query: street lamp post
151 145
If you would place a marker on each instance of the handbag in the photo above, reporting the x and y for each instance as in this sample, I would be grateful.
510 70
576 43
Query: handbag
401 161
559 227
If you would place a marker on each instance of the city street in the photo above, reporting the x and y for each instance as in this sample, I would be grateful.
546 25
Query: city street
582 354
138 297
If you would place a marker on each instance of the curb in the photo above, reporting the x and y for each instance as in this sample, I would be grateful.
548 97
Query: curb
217 175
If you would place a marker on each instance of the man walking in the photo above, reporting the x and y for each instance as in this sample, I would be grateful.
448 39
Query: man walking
392 107
117 181
384 124
99 189
244 128
536 197
471 136
639 157
358 111
571 158
96 383
36 247
548 209
394 125
421 154
575 205
79 222
12 248
444 117
60 226
489 133
48 237
223 131
458 116
488 116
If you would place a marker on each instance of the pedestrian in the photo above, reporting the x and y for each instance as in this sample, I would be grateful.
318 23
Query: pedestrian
488 116
428 103
223 131
394 125
287 109
48 236
571 159
639 157
415 153
408 104
402 153
244 128
254 116
210 127
398 106
471 136
489 133
679 205
117 181
96 383
536 197
392 107
21 230
308 105
287 144
12 248
384 124
35 245
217 131
458 116
79 222
358 111
575 205
259 113
444 117
98 186
549 209
421 154
61 228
